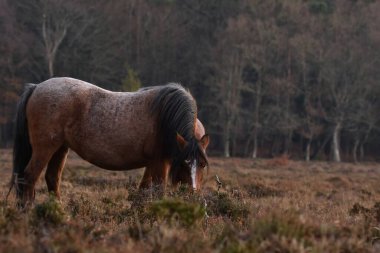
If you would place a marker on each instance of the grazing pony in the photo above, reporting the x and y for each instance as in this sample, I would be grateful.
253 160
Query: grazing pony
155 127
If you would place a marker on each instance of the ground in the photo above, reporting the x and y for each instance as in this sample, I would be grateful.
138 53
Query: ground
275 205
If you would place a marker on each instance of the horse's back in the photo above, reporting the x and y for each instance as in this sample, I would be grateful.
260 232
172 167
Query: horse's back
60 100
110 129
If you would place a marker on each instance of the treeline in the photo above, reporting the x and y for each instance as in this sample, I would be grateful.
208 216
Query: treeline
297 78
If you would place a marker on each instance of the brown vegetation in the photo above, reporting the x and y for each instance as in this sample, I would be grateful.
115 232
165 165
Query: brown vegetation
260 207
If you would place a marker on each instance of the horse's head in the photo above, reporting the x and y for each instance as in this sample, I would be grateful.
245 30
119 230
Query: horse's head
193 159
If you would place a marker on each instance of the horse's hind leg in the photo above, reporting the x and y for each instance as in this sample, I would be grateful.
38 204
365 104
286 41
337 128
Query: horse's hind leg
32 172
54 170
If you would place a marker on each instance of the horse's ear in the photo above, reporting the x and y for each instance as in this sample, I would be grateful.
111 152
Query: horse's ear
181 142
205 140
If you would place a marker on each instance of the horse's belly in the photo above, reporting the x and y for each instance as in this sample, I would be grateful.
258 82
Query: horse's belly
112 159
113 149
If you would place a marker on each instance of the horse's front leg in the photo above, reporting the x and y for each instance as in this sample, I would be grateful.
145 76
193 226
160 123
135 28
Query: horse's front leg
146 181
160 173
156 176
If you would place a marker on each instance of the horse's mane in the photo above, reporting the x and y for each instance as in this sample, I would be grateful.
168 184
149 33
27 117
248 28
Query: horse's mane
176 110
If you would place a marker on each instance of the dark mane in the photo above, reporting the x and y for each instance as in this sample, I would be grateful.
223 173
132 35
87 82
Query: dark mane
176 110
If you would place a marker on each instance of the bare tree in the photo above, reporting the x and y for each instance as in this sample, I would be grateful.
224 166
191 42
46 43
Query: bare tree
232 53
345 70
57 17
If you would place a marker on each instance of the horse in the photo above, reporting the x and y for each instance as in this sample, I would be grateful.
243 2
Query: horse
155 127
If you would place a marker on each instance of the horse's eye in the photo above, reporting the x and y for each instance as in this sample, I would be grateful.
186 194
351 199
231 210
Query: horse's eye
202 165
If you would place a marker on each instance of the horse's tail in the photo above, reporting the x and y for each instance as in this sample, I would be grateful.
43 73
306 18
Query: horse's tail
22 149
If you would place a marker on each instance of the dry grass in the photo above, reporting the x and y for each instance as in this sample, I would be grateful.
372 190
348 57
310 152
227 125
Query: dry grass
262 206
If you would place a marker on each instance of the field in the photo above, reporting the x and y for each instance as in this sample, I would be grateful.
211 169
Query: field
275 205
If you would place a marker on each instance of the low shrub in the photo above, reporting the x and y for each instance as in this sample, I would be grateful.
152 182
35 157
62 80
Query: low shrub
10 220
359 209
376 211
273 233
48 212
287 225
222 204
185 213
257 190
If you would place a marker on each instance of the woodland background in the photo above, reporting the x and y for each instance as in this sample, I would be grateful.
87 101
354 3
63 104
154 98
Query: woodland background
297 78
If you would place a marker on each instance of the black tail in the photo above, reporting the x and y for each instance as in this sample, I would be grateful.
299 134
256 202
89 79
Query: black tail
22 150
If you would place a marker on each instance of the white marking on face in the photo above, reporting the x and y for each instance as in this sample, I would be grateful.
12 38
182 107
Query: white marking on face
194 173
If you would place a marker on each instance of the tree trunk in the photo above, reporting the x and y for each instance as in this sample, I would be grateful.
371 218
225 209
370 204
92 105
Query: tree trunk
52 41
289 132
254 153
256 120
276 146
288 143
355 150
138 33
362 152
232 97
308 149
227 147
335 143
227 138
1 136
50 60
320 147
